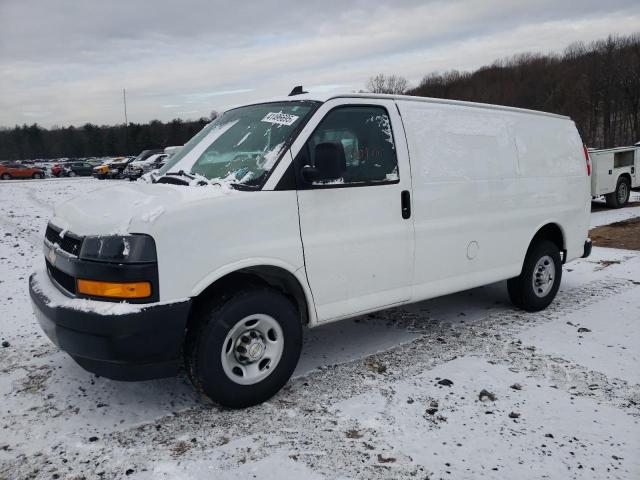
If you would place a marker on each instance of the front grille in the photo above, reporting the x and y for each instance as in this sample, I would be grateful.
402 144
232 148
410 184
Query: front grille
66 281
69 243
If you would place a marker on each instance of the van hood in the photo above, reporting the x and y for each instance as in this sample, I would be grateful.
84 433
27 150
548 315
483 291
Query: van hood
131 208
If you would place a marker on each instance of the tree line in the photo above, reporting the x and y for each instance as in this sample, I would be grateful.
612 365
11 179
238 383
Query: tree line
597 85
89 140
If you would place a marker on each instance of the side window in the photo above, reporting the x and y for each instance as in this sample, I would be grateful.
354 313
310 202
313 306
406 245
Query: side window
365 134
623 159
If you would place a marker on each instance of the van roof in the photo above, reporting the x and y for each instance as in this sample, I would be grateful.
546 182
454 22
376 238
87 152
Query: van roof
319 97
614 149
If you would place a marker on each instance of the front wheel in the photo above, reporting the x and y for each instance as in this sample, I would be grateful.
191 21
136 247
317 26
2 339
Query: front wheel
6 176
243 347
71 173
537 285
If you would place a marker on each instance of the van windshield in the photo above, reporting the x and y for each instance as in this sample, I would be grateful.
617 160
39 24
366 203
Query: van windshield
242 145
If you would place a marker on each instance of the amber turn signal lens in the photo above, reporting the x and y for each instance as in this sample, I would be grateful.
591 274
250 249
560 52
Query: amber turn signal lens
114 289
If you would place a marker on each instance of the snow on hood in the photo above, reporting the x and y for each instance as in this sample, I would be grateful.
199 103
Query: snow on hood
129 208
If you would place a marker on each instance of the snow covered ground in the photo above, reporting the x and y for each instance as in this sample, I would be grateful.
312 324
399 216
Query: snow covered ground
604 217
370 398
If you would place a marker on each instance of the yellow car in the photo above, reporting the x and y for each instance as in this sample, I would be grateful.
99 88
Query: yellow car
102 171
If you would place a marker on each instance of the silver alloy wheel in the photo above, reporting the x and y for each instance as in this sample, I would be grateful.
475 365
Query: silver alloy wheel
544 274
252 349
72 173
622 192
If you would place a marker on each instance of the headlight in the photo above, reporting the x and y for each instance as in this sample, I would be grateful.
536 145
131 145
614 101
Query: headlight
136 248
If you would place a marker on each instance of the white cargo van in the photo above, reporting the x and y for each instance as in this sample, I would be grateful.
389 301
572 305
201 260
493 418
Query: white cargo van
615 173
305 210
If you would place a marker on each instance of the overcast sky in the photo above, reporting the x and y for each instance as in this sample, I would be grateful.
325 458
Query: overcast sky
66 62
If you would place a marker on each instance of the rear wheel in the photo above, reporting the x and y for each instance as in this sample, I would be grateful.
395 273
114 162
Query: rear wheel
37 175
6 176
620 196
71 173
243 346
537 285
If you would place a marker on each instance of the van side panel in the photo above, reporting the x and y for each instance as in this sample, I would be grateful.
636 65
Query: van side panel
482 187
553 181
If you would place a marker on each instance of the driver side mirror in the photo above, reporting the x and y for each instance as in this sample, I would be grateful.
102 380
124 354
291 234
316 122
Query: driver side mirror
330 163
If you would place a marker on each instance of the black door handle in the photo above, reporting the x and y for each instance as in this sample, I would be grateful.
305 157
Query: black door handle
405 201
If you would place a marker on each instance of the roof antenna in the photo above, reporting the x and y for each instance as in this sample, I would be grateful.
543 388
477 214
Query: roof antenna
297 91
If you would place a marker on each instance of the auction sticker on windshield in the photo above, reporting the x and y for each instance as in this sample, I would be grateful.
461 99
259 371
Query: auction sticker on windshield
280 118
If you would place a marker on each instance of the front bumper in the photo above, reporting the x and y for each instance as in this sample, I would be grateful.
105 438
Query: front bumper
120 341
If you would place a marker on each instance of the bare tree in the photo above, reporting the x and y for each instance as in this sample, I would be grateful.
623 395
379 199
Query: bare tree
596 84
392 84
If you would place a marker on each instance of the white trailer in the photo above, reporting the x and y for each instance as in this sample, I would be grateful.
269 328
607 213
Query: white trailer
615 173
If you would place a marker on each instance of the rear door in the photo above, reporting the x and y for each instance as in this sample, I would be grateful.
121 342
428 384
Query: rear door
358 243
605 182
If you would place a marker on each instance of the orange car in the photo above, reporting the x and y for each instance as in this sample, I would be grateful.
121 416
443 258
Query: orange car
17 170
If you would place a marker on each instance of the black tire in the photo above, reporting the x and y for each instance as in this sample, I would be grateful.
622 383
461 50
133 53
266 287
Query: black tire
620 197
6 176
71 173
214 319
521 288
36 176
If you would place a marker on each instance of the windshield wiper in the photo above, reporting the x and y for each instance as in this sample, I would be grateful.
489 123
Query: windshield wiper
180 173
176 178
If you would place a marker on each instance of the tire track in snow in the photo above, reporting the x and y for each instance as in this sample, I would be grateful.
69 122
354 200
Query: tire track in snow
32 196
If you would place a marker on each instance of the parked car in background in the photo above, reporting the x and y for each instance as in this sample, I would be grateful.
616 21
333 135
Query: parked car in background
615 173
304 211
44 167
116 169
56 169
18 170
171 151
103 170
137 168
72 169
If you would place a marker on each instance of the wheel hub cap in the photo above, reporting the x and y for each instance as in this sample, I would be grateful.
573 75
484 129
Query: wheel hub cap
252 349
544 276
622 192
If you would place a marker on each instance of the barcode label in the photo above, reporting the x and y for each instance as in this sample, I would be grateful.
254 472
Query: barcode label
280 118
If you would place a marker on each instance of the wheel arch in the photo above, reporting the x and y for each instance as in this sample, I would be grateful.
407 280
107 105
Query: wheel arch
290 282
553 232
625 175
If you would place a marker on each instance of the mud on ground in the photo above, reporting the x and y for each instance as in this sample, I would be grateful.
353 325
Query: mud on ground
625 234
